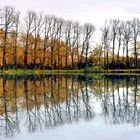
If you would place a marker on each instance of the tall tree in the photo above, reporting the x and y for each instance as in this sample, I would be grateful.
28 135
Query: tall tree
59 33
47 35
68 30
78 32
88 34
119 38
29 29
53 40
114 26
16 33
106 40
38 24
6 23
135 23
75 43
127 36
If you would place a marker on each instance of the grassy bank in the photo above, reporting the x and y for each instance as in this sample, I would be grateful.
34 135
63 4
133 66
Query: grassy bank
93 70
40 71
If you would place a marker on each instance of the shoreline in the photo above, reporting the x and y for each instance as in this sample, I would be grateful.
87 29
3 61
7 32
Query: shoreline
76 71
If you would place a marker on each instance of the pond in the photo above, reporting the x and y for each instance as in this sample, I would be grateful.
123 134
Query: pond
69 107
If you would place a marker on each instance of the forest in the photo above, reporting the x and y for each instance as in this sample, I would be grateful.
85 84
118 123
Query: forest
40 41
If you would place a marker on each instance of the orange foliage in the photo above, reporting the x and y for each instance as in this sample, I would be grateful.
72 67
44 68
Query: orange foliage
36 52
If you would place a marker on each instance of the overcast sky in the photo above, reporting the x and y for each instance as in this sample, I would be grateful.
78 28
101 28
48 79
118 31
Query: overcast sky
92 11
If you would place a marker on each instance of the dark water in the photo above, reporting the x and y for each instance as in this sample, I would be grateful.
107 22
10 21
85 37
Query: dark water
69 107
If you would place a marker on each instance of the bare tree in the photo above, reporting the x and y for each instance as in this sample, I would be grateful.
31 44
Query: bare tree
88 34
16 24
38 24
47 35
106 40
127 36
68 29
59 32
29 27
53 40
75 43
135 24
114 26
78 32
119 38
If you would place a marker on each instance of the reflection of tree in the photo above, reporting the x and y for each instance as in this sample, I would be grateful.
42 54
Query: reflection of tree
9 121
42 102
85 94
38 102
120 106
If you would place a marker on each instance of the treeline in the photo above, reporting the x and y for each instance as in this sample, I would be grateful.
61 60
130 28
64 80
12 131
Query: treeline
120 44
42 42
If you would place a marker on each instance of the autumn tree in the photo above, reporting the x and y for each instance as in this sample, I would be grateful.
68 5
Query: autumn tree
53 37
135 24
96 56
46 39
37 24
68 30
6 23
58 38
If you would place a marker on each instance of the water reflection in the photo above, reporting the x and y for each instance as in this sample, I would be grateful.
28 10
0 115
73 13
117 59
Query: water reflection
121 99
37 102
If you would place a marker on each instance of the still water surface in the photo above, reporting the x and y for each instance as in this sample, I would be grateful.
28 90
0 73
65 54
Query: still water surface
69 107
